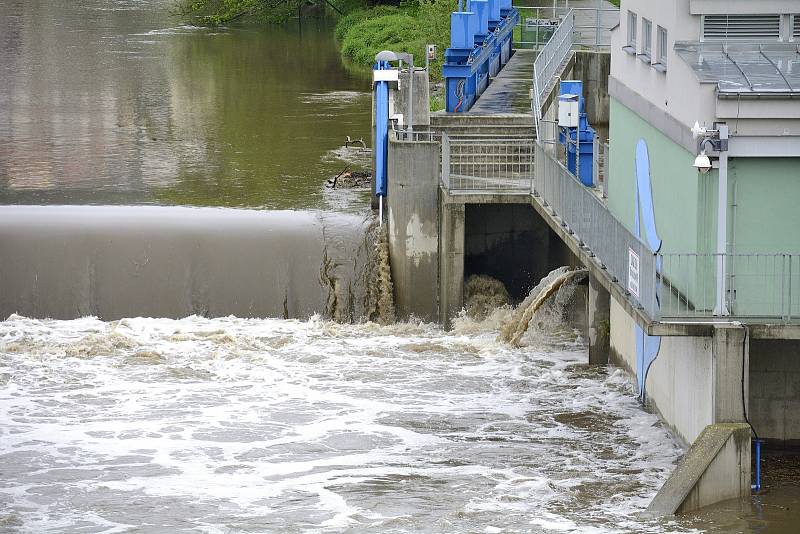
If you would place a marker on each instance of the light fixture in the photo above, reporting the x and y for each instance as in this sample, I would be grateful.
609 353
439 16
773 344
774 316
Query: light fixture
702 162
698 131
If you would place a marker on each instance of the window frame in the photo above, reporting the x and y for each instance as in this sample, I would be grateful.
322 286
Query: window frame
647 38
662 46
633 23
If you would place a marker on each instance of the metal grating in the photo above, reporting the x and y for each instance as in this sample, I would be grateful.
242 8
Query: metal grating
742 27
796 27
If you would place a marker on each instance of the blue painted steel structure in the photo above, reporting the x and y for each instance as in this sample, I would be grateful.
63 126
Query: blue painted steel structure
480 45
381 130
583 134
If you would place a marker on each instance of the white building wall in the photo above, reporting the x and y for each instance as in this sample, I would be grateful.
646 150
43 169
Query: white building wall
676 91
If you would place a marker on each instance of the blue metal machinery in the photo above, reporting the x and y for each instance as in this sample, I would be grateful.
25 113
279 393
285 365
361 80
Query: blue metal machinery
581 139
480 45
383 74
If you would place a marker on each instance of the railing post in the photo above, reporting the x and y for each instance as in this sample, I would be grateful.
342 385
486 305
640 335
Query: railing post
446 160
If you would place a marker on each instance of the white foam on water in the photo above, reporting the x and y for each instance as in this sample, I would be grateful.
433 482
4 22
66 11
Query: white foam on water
230 424
333 97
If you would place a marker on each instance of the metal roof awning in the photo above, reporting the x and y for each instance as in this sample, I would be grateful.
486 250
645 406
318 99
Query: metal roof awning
745 69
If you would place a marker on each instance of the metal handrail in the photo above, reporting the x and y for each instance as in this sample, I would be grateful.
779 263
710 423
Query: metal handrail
549 60
584 216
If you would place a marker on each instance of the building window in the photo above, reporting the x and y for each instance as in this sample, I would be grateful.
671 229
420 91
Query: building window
647 39
742 27
661 48
632 22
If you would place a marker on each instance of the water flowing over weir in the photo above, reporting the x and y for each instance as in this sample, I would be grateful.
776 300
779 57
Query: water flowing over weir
270 425
117 261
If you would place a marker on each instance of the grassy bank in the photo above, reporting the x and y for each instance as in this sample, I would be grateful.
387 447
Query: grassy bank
363 33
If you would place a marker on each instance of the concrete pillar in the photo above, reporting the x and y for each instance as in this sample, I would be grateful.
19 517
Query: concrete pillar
451 267
413 227
729 366
599 322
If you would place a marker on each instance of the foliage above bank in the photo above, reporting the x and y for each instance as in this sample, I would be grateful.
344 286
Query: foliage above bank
408 28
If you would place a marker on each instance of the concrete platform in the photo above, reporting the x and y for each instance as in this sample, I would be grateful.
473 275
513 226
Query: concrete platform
509 92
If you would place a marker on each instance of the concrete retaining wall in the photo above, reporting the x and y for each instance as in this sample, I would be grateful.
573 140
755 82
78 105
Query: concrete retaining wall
679 385
414 227
775 390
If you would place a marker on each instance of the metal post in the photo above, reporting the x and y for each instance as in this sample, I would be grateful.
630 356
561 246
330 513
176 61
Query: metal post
411 93
721 307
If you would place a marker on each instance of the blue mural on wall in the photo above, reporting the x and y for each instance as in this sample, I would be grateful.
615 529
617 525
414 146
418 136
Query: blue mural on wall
644 226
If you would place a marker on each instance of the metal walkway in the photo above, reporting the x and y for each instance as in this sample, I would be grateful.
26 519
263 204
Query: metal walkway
509 92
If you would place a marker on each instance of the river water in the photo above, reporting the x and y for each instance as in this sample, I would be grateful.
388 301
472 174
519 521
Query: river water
117 102
231 425
227 425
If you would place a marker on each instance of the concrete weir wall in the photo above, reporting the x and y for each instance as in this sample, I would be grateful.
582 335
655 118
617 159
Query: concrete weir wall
65 262
413 227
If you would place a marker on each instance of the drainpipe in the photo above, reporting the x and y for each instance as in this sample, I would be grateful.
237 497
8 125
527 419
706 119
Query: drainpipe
721 308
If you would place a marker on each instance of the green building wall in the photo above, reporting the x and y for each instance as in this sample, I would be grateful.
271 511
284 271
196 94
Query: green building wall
763 218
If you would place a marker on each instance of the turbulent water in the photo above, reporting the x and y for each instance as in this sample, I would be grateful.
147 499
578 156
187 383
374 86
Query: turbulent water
232 425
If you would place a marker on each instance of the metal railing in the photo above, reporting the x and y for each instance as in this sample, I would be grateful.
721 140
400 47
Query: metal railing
628 260
487 164
757 285
600 165
548 62
592 27
417 136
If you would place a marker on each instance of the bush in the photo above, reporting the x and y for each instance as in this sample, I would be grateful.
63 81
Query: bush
366 38
348 21
364 33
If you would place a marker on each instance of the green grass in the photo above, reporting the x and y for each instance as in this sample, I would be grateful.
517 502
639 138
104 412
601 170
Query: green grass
364 33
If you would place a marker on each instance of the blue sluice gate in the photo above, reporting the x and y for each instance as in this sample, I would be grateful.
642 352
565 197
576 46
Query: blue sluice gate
581 139
481 39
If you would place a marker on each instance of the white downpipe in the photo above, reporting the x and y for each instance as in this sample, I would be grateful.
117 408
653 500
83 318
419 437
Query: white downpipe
721 307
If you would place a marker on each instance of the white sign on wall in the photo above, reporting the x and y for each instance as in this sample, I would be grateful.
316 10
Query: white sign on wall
633 273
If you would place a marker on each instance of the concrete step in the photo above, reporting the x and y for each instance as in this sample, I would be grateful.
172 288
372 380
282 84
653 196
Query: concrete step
470 119
479 131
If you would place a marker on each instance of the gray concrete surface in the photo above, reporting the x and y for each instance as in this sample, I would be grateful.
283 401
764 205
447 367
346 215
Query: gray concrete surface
716 468
774 408
413 227
421 105
599 323
451 265
510 89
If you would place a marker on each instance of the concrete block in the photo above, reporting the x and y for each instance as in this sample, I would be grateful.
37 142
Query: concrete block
413 227
421 105
599 322
716 468
730 355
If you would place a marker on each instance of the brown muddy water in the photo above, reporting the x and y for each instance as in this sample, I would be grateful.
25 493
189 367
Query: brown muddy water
117 102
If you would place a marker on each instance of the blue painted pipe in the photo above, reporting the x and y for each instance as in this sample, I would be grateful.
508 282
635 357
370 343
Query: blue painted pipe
757 485
381 131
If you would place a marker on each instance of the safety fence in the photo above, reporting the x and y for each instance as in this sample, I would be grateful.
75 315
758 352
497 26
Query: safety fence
756 285
628 260
592 25
549 60
487 164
